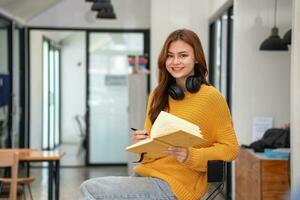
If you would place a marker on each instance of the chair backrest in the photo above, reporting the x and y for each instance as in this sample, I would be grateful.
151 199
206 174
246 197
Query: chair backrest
11 159
80 120
215 171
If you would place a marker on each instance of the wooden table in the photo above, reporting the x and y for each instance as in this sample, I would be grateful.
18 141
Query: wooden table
53 159
259 177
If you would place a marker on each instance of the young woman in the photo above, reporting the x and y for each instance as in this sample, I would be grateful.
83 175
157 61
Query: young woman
183 91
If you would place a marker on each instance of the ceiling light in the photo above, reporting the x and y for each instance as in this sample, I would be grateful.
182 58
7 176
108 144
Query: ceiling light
287 38
106 14
101 4
105 9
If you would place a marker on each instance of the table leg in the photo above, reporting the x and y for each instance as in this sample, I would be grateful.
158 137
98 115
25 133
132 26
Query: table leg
27 169
57 166
50 180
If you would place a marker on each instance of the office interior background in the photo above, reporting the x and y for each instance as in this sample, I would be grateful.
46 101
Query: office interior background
71 86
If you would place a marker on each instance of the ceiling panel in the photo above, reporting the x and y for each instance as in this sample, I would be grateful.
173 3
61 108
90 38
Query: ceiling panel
26 9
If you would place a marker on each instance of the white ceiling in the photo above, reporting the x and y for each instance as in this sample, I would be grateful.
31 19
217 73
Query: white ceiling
25 9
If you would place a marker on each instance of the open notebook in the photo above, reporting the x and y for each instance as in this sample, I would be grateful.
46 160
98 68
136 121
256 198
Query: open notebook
167 131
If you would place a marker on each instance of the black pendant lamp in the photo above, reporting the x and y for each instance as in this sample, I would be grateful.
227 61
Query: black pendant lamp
98 5
107 13
105 9
287 38
273 42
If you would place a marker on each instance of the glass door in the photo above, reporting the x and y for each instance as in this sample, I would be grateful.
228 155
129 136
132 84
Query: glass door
51 95
220 56
108 70
16 89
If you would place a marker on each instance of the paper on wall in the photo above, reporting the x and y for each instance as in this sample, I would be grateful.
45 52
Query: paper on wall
259 126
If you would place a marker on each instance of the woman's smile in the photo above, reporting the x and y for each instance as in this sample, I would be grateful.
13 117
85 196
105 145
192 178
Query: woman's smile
177 69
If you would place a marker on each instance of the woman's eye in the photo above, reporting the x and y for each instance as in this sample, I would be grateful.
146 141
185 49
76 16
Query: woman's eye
183 55
169 56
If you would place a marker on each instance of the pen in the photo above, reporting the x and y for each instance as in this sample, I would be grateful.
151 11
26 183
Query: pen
135 129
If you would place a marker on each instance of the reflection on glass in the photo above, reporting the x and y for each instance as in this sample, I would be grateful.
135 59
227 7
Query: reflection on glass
51 98
57 96
224 46
51 95
45 93
217 67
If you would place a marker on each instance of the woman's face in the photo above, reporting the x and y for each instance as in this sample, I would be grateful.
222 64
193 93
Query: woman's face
180 60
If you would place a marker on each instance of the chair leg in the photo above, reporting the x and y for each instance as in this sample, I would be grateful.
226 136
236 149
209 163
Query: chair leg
216 191
30 193
24 192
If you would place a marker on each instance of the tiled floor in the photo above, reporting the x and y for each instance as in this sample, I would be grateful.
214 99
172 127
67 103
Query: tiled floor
70 180
74 155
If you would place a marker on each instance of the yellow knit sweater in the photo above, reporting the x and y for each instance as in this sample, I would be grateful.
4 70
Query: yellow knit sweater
208 109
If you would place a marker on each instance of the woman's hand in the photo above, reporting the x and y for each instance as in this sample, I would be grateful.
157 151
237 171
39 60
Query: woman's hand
179 153
139 135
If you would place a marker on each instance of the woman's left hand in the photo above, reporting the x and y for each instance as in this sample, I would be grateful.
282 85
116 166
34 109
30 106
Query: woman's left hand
179 153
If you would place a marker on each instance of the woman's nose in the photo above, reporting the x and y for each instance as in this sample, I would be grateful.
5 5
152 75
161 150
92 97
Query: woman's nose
176 61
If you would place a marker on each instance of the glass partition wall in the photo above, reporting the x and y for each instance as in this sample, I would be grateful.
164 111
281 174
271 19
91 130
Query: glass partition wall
220 55
5 83
18 88
108 70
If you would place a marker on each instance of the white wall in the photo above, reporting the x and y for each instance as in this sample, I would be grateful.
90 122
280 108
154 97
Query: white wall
131 14
169 15
73 85
295 99
261 79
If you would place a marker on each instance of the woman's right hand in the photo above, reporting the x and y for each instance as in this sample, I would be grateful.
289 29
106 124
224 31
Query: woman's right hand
139 135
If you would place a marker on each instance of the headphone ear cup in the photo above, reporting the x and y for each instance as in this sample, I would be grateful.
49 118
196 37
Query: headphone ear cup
193 84
176 92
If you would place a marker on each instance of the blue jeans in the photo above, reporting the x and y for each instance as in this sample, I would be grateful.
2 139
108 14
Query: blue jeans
118 188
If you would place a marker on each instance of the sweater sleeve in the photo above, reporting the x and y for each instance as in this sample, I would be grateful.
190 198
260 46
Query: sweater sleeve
224 146
148 125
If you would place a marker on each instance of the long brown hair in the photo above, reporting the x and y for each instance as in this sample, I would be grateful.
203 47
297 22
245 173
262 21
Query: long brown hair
160 94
